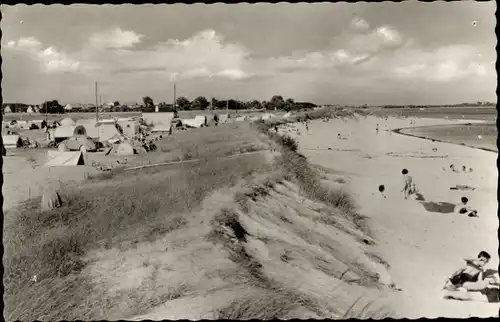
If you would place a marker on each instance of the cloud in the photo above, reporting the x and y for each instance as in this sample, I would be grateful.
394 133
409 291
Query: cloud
115 38
51 60
443 64
204 54
359 24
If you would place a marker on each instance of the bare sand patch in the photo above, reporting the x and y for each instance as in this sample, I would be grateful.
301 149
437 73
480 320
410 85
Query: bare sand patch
422 247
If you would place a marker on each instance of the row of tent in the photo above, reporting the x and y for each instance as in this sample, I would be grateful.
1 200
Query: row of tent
103 130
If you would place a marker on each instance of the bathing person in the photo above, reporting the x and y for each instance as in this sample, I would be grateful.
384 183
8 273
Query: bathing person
408 186
464 209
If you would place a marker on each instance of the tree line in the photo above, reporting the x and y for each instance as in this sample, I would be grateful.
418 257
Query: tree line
277 102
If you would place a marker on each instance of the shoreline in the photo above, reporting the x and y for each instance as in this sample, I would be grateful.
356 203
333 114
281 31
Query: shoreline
399 131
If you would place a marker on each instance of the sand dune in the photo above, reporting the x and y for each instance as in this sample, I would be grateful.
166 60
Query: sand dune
422 247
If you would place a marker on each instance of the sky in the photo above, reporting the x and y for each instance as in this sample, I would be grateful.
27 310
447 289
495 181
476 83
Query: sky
326 53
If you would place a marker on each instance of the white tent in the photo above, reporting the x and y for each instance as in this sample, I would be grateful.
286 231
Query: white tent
11 141
129 127
64 131
241 118
161 128
223 118
68 107
30 110
164 118
105 131
67 122
287 114
23 125
7 109
58 158
197 122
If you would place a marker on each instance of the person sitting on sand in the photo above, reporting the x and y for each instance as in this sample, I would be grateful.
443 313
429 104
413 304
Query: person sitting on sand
473 278
464 209
471 273
409 186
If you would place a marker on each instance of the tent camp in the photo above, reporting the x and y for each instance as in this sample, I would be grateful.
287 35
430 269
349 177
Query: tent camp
58 158
67 122
12 141
68 107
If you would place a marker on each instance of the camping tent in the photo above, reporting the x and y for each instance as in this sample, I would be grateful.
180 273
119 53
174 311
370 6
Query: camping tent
11 141
68 107
58 158
197 122
287 114
223 118
63 132
30 110
67 122
163 118
22 125
160 128
37 122
106 131
7 109
241 118
124 149
128 126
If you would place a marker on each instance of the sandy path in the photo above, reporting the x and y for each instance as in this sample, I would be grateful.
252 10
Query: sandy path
422 247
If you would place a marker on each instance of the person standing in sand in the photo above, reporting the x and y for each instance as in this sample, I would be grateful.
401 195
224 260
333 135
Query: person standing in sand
409 186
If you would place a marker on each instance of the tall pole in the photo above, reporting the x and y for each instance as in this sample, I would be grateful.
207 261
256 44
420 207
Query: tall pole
175 97
96 105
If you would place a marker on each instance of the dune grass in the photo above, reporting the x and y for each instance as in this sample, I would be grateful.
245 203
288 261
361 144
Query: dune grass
111 210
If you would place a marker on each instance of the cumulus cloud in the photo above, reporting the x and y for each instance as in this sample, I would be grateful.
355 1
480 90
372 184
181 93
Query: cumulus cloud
359 24
51 60
205 54
115 38
442 64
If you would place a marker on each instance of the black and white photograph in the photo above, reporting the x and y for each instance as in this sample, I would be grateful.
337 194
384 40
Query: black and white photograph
249 161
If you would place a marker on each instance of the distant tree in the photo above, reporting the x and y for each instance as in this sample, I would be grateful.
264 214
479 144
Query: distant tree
200 103
278 102
254 104
148 102
289 105
268 105
183 103
116 103
164 107
52 107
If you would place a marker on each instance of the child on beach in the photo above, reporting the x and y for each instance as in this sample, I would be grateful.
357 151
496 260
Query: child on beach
409 186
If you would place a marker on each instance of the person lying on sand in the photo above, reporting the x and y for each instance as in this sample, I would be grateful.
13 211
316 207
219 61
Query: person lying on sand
464 209
409 186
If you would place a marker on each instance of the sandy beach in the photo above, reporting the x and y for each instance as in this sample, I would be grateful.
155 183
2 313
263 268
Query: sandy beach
422 247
